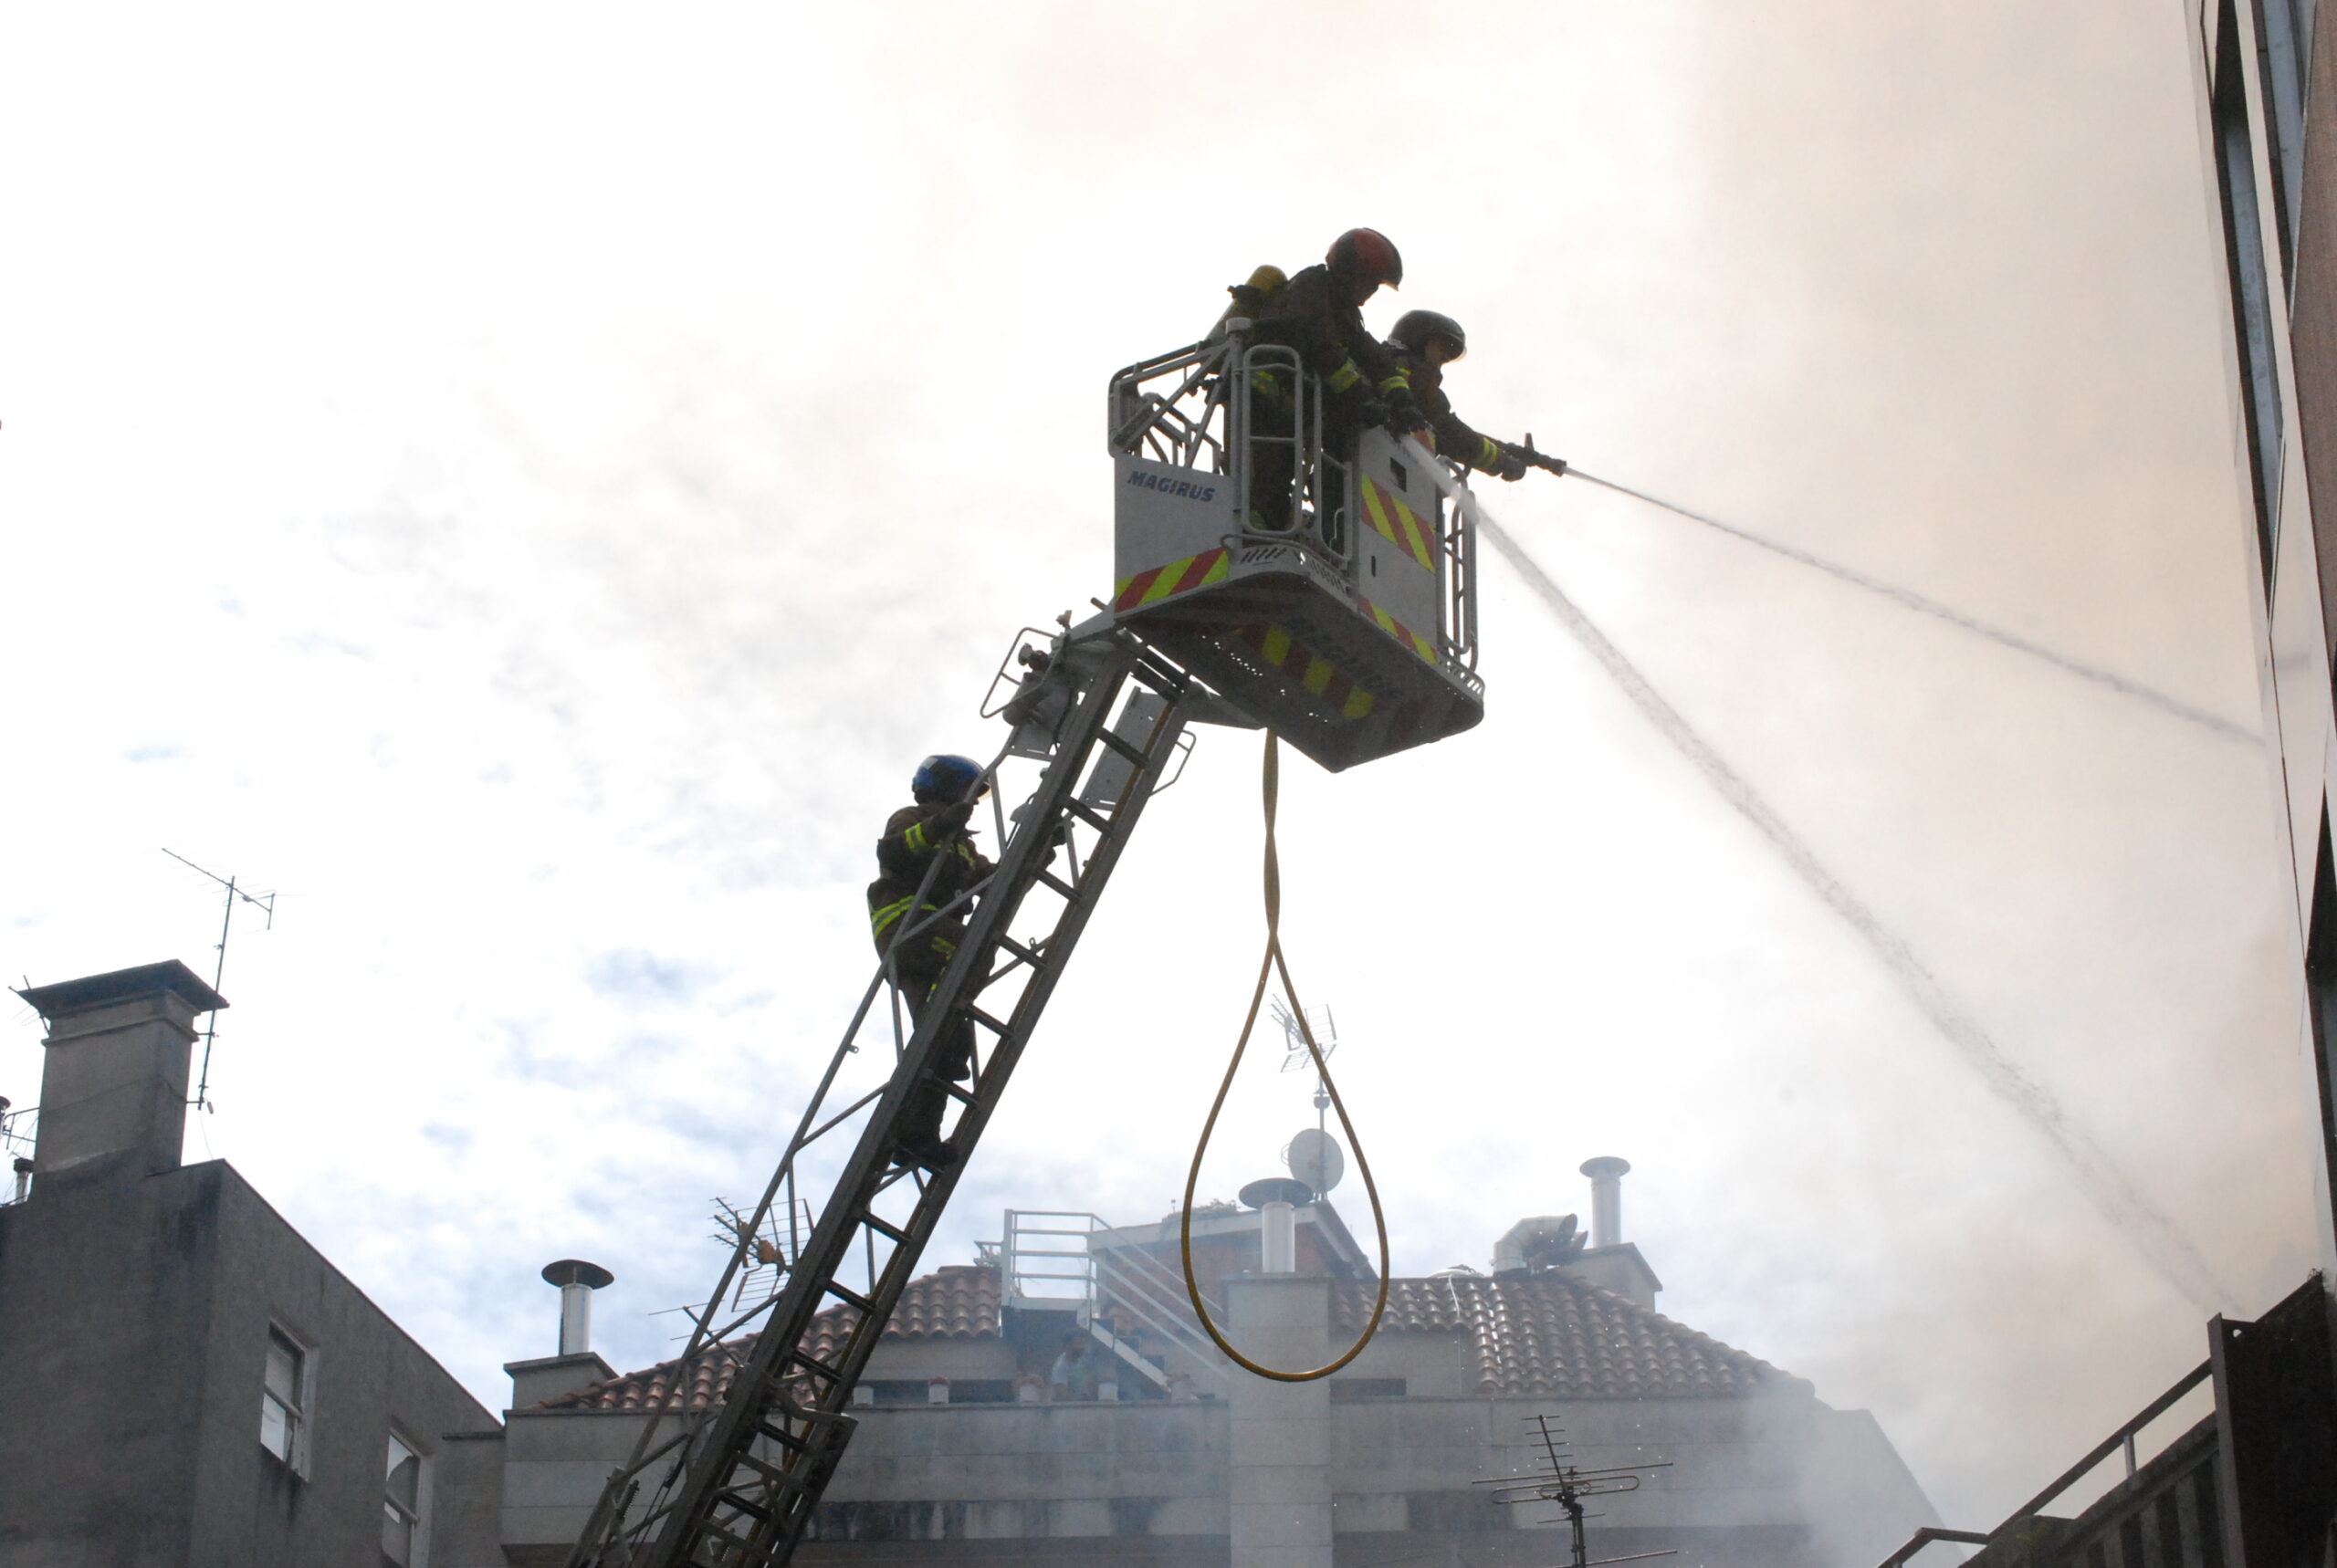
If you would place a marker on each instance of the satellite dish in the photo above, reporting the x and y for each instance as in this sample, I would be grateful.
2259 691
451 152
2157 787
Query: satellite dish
1315 1157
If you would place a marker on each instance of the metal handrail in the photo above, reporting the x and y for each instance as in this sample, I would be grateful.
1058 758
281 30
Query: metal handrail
2123 1437
1203 420
1925 1537
1113 1276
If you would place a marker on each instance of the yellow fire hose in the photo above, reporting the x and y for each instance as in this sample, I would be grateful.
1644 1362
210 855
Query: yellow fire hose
1274 964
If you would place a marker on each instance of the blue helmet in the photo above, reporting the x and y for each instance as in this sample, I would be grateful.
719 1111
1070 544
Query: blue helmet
946 776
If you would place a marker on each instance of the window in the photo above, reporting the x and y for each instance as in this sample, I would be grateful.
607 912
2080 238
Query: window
2320 993
283 1421
401 1506
2250 286
2283 53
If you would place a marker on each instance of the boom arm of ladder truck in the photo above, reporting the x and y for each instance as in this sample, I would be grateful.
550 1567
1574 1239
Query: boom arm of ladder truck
1039 683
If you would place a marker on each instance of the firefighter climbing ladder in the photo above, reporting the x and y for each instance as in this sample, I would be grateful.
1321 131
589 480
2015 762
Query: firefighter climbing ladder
736 1486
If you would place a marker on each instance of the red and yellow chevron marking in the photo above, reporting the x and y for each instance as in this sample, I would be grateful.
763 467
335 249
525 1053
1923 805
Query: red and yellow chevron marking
1151 587
1396 524
1397 630
1316 674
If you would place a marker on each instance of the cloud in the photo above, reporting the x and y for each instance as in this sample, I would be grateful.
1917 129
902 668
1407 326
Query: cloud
637 978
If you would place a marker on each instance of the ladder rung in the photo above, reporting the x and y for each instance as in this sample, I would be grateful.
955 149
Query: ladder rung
816 1367
1060 886
773 1474
984 1019
1089 815
963 1096
709 1531
784 1438
883 1226
1028 954
855 1297
739 1500
1127 748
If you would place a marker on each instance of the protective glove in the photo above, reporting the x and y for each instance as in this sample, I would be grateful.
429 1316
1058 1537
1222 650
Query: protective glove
1370 412
1512 464
950 820
1404 416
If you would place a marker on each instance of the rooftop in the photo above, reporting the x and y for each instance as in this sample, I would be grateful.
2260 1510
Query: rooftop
1544 1335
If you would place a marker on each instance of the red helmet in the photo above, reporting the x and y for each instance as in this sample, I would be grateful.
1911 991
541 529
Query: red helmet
1367 254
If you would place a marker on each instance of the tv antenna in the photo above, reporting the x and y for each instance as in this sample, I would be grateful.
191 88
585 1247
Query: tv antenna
1560 1480
1296 1057
263 901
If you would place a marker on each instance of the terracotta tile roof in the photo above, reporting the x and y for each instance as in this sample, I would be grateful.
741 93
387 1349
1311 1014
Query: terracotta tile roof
1549 1337
1559 1337
960 1302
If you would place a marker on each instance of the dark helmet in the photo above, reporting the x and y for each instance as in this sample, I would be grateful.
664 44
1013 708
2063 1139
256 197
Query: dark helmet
1367 254
1415 328
946 776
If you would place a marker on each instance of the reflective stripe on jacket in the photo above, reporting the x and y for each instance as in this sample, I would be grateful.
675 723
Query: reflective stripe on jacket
1311 314
1454 439
902 855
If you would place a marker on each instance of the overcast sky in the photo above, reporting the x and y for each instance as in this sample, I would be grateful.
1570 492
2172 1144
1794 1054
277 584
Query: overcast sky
527 485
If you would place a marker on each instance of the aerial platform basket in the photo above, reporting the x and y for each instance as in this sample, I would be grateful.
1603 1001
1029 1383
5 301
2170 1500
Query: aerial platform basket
1320 581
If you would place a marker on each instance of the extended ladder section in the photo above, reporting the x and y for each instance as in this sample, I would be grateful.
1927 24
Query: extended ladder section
1274 569
735 1484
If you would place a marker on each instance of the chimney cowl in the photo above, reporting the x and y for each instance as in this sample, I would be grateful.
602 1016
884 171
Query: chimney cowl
577 1281
1606 1173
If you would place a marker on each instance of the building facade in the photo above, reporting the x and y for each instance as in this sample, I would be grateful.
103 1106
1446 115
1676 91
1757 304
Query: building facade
979 1440
2253 1483
188 1383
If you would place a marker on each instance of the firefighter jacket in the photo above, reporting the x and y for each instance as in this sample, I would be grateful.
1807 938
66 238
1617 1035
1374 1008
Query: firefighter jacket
1454 438
903 856
1311 313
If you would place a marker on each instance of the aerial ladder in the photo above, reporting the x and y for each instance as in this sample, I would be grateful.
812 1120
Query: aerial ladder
1333 603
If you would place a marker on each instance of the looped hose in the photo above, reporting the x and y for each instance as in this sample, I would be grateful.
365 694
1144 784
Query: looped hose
1274 964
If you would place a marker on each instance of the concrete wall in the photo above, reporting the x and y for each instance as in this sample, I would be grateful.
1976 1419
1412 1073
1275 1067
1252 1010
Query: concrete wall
554 1464
1375 1465
1754 1482
134 1314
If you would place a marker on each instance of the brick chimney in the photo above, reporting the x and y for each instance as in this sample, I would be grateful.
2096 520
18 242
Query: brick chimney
113 1088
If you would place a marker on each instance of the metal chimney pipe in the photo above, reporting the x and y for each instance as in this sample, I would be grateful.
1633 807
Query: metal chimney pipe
1606 1173
577 1281
1277 1239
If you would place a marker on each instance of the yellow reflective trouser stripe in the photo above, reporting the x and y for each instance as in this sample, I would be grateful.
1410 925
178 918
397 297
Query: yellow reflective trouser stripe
1346 376
883 915
1268 385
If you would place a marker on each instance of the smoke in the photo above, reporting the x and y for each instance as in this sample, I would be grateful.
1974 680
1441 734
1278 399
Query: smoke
2109 1189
